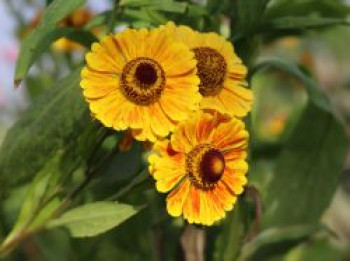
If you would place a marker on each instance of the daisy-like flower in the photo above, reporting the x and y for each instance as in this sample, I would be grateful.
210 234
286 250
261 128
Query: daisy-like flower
221 72
203 165
142 80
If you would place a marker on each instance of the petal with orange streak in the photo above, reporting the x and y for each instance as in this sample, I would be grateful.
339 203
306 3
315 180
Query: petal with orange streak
176 199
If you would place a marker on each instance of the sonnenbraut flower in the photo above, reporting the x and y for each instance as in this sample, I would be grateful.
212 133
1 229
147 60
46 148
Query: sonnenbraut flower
203 166
142 80
221 72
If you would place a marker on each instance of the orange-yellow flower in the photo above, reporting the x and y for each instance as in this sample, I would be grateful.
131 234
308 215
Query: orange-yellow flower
141 79
203 165
220 70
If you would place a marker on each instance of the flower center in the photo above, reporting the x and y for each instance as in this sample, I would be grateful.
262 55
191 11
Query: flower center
146 74
205 166
142 81
211 69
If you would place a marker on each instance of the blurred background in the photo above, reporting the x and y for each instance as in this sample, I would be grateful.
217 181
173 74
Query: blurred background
279 98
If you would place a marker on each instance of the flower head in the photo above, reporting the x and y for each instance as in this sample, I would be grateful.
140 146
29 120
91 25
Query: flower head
141 79
222 74
203 165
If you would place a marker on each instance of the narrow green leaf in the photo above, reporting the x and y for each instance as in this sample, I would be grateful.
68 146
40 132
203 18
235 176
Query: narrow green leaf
45 214
98 20
316 250
159 5
54 122
196 10
310 163
271 241
172 7
246 18
41 186
94 218
234 228
299 24
32 45
85 38
142 3
320 8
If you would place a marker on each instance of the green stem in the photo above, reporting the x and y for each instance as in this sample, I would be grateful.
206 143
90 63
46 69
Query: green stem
138 180
24 233
114 15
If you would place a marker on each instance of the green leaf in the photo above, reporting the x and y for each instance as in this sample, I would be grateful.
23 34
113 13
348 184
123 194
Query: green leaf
316 250
172 7
38 206
274 241
248 14
234 228
196 10
295 25
48 2
310 163
83 37
54 122
159 5
94 218
32 45
321 8
246 18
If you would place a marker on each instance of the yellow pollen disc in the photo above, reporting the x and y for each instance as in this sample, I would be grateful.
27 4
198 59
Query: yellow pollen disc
142 81
205 166
217 165
211 69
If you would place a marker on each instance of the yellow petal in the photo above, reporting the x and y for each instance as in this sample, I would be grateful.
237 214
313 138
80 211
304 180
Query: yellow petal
191 208
176 199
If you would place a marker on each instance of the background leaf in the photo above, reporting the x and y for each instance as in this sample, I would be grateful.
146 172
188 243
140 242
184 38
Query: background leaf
31 46
275 241
233 231
94 218
246 16
54 122
293 25
310 163
321 8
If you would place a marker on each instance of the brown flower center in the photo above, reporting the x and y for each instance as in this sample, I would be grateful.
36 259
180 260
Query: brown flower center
205 166
142 81
146 74
211 69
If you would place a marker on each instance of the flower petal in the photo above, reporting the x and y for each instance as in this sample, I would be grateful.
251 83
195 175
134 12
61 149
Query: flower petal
176 199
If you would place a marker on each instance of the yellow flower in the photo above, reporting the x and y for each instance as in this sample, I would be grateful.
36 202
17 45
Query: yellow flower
221 72
141 79
203 165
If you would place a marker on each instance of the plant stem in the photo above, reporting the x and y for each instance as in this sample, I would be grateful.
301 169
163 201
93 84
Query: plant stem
91 173
139 179
114 13
254 194
193 242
